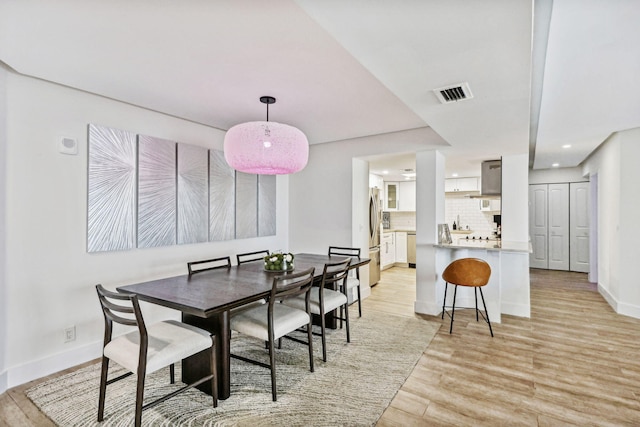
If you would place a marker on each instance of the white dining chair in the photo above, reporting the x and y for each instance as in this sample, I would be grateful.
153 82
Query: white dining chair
148 348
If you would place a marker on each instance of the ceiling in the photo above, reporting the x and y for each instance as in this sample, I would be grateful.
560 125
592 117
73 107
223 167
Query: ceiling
351 69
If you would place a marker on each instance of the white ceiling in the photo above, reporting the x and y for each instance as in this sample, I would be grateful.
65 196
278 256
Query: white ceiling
347 69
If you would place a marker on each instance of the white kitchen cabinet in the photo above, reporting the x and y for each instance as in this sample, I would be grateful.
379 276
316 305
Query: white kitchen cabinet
490 205
453 185
401 247
391 195
388 249
407 197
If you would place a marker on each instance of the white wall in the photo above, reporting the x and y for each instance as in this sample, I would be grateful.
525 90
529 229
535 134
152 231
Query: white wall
320 196
430 201
50 277
615 163
3 226
559 175
515 198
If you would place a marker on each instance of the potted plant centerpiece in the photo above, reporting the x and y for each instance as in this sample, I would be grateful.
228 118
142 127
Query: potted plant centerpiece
278 261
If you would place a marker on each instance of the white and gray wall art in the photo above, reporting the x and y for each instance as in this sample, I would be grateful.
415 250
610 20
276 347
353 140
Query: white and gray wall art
148 192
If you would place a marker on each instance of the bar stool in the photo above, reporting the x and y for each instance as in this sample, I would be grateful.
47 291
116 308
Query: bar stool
470 272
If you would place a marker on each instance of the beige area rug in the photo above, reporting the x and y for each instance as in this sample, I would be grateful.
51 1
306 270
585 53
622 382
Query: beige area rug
352 388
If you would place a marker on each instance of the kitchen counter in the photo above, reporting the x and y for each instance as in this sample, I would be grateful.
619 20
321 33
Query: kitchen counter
508 289
401 230
489 245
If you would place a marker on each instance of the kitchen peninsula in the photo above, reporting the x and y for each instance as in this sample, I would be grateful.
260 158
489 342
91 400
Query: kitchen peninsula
507 292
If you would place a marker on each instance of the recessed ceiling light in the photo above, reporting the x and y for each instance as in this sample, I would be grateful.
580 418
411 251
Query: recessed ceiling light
385 172
566 146
454 175
555 165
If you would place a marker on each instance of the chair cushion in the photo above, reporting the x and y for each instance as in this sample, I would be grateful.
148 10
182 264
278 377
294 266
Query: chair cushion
253 322
332 300
247 306
352 282
169 342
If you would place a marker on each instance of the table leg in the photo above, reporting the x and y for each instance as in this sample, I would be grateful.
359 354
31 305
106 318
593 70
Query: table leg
197 366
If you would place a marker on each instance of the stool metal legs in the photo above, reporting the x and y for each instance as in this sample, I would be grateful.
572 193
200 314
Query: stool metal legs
485 316
485 311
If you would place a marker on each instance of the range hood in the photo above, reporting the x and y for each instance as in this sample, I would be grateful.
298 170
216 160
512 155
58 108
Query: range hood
490 180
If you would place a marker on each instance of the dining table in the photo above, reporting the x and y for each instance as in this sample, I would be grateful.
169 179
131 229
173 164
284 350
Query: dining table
206 298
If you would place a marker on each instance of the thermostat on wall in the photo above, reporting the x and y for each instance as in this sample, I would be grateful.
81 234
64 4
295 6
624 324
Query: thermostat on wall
68 146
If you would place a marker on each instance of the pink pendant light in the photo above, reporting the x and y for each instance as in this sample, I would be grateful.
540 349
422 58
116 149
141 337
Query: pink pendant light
266 148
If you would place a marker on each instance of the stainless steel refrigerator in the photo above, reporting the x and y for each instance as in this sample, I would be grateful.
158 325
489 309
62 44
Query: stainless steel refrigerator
375 225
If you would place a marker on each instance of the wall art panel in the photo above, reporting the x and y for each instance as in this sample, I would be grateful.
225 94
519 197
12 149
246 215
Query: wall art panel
222 198
193 194
247 205
266 205
157 192
111 204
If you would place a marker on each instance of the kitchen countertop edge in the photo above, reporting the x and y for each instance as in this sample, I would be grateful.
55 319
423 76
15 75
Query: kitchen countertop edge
489 246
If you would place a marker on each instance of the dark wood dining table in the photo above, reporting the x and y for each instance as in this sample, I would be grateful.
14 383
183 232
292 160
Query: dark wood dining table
206 298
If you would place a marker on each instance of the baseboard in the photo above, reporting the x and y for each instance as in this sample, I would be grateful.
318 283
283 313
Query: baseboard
22 374
619 307
608 297
3 382
629 310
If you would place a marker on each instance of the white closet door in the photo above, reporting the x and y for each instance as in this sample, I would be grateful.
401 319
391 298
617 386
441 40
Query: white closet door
558 199
538 226
579 226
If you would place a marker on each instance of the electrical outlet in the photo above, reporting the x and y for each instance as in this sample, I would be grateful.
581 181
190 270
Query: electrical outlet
70 334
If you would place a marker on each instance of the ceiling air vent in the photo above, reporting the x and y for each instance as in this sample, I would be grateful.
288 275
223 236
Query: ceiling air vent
453 93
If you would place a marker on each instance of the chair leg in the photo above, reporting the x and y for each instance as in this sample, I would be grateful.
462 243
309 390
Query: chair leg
324 341
486 313
214 370
346 321
139 398
310 338
359 303
453 307
172 373
444 301
103 387
272 361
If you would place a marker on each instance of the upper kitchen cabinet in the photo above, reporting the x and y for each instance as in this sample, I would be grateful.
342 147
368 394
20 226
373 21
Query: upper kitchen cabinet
391 195
400 196
407 200
490 205
454 185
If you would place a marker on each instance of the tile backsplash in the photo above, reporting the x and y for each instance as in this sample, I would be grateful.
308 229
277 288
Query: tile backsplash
481 223
403 220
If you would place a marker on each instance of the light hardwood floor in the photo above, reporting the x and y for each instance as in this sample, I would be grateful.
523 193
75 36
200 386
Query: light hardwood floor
575 362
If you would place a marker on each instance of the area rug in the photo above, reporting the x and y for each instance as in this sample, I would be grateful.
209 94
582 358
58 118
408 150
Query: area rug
352 388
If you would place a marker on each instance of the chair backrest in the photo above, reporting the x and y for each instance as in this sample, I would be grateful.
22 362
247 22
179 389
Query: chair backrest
350 252
338 250
467 272
335 272
290 285
123 309
251 256
208 264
